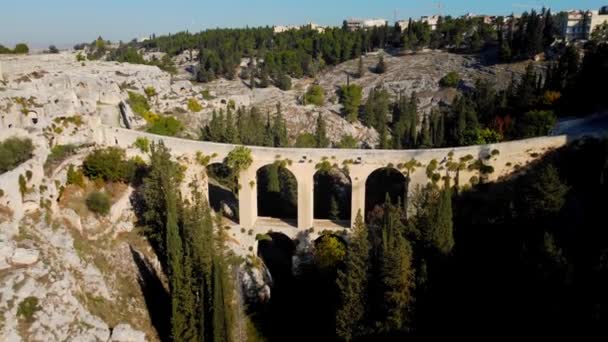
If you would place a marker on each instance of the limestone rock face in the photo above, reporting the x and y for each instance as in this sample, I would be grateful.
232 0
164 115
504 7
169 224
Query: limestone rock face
126 333
25 257
256 283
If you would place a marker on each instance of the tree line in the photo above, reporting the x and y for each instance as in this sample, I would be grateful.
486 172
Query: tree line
205 305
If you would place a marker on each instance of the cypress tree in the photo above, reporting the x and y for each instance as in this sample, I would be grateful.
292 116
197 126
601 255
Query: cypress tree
360 68
396 271
321 133
442 235
230 134
334 209
352 283
279 129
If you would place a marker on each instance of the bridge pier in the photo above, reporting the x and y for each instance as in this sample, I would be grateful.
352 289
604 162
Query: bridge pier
248 198
305 177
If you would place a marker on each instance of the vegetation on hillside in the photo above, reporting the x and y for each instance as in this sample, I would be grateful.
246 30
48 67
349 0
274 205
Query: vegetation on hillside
13 152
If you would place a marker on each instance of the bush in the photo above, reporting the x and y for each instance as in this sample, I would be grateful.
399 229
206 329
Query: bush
98 202
306 140
53 49
107 164
80 57
535 123
22 185
315 95
450 80
143 144
166 125
27 308
284 82
140 106
194 106
381 66
348 141
21 49
13 152
58 154
150 92
75 176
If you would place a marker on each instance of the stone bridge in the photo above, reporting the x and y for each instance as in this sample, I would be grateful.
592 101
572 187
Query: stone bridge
504 158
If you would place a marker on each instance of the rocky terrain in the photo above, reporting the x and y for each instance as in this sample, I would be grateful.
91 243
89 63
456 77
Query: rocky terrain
69 275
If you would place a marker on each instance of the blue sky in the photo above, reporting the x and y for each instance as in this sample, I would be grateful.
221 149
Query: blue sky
61 22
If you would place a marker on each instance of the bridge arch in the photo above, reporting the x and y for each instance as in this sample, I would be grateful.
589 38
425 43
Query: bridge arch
383 182
332 195
277 193
222 190
277 251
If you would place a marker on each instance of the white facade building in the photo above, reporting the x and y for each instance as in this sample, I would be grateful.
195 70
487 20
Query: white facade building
432 21
355 24
581 24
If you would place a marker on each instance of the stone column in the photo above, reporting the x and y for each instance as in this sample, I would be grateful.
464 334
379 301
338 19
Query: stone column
248 201
358 177
304 174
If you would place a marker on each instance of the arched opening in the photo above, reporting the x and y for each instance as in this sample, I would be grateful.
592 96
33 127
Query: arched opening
332 196
384 182
277 193
277 250
223 195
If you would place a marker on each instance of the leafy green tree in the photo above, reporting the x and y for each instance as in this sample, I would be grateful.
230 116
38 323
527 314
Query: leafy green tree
352 284
14 151
166 125
315 95
279 129
21 48
535 123
283 82
450 80
350 97
329 253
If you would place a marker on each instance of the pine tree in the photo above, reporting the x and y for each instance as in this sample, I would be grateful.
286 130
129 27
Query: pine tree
268 133
352 283
321 133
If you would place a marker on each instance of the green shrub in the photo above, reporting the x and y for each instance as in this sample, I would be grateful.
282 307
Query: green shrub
14 151
98 202
194 106
21 49
535 123
315 95
450 80
58 154
140 106
207 95
27 308
29 175
150 92
263 237
166 125
80 57
143 144
22 185
75 176
107 164
306 140
348 141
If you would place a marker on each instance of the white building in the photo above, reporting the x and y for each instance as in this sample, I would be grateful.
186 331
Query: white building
285 28
581 24
355 24
432 21
403 24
